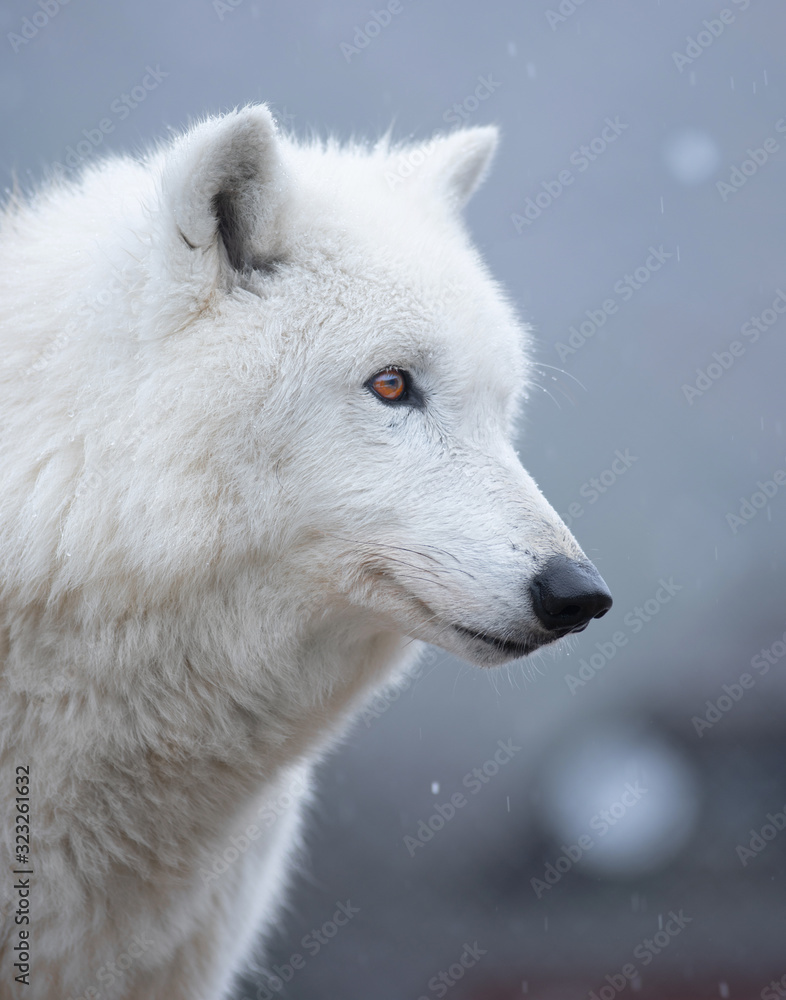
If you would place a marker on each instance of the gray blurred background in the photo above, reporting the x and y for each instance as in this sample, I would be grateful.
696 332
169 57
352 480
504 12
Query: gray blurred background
681 108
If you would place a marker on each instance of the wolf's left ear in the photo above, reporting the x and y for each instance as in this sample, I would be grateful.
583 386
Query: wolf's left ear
458 163
222 189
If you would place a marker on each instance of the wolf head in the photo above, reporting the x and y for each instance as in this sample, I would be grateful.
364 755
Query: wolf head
348 377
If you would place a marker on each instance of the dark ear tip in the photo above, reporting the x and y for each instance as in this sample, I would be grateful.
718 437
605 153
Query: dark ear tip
224 183
253 123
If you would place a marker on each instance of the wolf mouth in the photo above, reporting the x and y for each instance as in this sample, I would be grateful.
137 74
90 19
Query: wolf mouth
515 646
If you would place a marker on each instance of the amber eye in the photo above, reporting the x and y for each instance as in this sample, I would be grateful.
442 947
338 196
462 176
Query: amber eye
389 384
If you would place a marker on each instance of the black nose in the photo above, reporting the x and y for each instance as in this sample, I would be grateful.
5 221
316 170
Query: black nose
567 594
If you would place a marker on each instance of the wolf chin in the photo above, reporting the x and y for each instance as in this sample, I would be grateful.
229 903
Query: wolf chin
257 401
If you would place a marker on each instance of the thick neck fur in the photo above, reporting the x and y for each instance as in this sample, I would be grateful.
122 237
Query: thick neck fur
160 760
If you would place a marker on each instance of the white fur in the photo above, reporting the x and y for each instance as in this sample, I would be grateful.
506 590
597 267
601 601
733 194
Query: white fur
215 542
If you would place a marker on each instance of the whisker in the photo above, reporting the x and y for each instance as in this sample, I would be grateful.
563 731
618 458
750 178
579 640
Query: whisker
567 395
552 398
404 548
492 676
444 552
423 569
398 548
542 364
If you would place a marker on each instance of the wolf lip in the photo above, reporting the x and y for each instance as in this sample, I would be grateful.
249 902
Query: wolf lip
507 645
518 647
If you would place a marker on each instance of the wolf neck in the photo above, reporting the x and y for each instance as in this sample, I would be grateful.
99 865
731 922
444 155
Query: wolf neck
211 749
263 699
308 696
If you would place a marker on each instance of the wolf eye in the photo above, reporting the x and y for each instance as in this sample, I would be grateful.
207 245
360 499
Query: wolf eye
391 385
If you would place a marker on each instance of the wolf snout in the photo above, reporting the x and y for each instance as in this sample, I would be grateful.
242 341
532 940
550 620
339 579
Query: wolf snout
567 595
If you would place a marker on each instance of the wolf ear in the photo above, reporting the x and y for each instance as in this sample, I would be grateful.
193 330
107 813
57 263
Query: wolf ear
222 190
458 163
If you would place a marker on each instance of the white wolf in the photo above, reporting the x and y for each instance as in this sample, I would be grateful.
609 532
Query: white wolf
256 403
